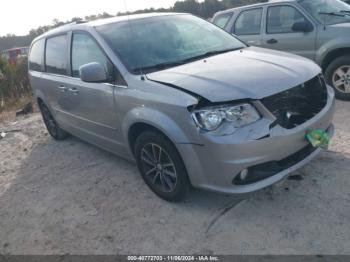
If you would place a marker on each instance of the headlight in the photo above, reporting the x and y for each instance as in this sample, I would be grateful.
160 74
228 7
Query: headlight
232 117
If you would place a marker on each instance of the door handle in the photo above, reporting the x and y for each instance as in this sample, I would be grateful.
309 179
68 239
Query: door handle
272 41
73 90
63 89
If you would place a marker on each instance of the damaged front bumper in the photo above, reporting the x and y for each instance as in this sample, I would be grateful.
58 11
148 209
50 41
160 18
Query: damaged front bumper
266 154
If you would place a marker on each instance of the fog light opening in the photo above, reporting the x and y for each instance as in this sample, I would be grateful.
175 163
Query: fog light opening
243 175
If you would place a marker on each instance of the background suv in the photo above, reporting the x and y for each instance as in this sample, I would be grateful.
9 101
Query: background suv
316 29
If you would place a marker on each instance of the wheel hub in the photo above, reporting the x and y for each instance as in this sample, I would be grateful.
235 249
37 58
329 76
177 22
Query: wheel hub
159 167
341 79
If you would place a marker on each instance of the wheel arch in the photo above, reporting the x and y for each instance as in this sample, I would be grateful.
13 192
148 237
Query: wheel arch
332 55
40 97
141 119
137 129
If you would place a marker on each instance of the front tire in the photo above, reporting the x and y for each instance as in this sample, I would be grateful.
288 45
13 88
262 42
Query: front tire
51 125
161 166
338 76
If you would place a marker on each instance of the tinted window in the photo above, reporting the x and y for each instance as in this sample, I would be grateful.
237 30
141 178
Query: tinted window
85 50
36 55
222 20
56 55
280 19
249 22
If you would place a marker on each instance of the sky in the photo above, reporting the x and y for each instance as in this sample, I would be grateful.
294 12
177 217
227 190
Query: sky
19 16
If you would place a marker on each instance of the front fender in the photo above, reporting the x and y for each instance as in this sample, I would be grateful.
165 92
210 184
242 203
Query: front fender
330 46
158 120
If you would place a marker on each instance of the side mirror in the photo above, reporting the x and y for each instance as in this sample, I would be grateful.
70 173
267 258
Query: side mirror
304 27
93 73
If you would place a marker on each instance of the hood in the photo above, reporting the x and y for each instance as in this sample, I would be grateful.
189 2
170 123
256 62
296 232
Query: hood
345 27
337 33
251 73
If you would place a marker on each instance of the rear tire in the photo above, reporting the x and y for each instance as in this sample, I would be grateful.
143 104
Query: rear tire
161 166
51 125
338 76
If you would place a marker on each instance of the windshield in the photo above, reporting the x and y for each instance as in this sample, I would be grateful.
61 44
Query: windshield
327 11
156 43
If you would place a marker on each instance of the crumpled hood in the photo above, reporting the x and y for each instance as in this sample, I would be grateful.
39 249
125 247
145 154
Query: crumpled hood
249 73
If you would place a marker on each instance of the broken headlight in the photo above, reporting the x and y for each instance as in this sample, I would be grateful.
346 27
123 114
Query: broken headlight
228 116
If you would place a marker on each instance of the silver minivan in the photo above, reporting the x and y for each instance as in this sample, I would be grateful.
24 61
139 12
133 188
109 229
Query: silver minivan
193 105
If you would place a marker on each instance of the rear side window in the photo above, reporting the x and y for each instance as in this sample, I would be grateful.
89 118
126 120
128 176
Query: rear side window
280 19
85 50
36 55
56 55
249 22
222 20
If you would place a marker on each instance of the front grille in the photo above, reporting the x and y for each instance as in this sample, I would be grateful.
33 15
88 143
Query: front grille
299 104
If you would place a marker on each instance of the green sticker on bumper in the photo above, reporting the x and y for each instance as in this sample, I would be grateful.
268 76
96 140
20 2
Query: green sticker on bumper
318 138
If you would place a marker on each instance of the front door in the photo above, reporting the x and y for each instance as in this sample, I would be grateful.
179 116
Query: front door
92 105
280 36
248 26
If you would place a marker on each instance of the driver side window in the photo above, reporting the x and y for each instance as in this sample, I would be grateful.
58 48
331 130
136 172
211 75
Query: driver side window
280 19
249 22
85 50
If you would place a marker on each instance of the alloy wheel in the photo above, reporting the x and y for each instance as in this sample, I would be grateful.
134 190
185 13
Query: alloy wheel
341 79
158 167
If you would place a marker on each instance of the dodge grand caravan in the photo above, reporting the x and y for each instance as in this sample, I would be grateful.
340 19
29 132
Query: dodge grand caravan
193 105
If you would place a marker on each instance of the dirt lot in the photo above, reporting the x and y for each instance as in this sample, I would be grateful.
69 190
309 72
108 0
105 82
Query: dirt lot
70 197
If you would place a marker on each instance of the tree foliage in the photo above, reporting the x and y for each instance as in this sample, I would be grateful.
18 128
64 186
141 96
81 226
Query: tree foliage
14 81
204 9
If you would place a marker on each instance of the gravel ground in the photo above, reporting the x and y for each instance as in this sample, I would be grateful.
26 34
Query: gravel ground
72 198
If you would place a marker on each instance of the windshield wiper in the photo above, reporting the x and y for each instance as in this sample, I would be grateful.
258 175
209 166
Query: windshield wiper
159 66
333 13
211 53
165 65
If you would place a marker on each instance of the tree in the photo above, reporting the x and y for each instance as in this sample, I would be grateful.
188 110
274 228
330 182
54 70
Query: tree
209 7
188 6
14 81
204 9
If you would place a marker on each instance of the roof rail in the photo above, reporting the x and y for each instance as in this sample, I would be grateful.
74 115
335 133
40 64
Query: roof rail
275 1
67 25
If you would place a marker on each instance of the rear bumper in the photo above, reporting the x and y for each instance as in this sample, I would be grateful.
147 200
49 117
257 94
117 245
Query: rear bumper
216 164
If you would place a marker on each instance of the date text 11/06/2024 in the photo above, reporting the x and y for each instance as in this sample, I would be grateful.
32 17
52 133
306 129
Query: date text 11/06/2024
173 258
